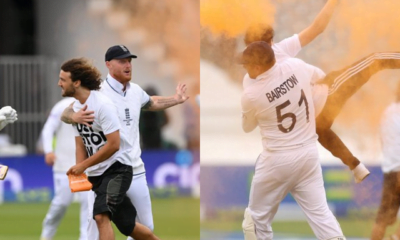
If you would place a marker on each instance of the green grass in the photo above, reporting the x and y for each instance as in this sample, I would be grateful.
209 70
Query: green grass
351 227
174 219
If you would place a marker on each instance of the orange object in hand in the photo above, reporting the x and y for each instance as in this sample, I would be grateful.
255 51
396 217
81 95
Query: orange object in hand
79 183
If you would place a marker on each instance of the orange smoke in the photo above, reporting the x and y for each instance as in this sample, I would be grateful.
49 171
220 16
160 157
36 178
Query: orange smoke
370 25
359 28
232 17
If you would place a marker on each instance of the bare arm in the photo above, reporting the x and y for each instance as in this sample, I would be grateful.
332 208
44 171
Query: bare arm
80 151
319 24
66 116
112 146
82 116
160 103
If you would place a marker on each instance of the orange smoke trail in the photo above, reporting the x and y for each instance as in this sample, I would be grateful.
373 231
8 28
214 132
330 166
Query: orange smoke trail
371 25
232 17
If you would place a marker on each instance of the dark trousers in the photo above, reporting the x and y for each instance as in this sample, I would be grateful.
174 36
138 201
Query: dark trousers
110 189
342 85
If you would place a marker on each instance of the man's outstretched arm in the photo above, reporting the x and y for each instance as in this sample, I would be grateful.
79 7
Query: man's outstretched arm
157 103
319 24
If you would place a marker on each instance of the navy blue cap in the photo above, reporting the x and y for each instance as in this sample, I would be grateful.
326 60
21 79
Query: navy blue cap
118 52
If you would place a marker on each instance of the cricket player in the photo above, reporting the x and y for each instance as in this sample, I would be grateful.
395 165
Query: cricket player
103 152
329 96
7 115
290 47
330 93
129 98
289 162
61 158
390 200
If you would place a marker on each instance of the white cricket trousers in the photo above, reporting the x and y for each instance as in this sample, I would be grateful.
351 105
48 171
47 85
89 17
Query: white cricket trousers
297 172
63 197
140 196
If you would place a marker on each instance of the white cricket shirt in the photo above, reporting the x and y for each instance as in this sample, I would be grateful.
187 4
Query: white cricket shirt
129 104
281 103
106 121
65 137
390 132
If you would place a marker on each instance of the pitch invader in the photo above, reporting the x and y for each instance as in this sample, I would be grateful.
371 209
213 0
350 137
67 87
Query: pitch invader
107 163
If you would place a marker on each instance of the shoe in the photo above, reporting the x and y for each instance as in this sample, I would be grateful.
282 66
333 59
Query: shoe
360 173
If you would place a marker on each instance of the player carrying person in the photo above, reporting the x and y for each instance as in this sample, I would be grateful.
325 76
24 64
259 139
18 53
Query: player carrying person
289 162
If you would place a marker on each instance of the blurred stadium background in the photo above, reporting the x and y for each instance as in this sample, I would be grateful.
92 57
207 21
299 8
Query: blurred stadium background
37 36
228 154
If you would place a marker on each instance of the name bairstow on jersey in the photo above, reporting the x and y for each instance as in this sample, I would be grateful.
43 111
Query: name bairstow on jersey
283 88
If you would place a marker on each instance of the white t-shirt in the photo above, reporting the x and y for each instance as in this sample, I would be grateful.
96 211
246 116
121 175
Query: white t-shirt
289 48
65 137
281 103
390 132
106 121
129 104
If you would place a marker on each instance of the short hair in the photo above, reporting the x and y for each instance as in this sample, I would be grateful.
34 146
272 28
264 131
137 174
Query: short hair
81 69
259 32
259 53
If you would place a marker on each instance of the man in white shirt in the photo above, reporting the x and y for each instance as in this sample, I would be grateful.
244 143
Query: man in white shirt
280 103
7 115
331 92
129 98
289 48
102 152
390 201
61 158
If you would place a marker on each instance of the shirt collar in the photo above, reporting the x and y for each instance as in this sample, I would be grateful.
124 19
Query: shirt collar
117 86
267 73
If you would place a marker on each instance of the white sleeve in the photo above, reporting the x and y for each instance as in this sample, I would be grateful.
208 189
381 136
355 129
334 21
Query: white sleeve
319 91
319 95
291 45
144 97
249 120
317 75
109 118
76 132
390 127
53 122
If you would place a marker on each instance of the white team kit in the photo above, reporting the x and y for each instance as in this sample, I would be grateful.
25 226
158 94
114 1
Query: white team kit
129 104
280 100
289 48
389 132
65 158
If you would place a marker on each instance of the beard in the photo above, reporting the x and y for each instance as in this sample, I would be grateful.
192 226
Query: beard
68 92
123 77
